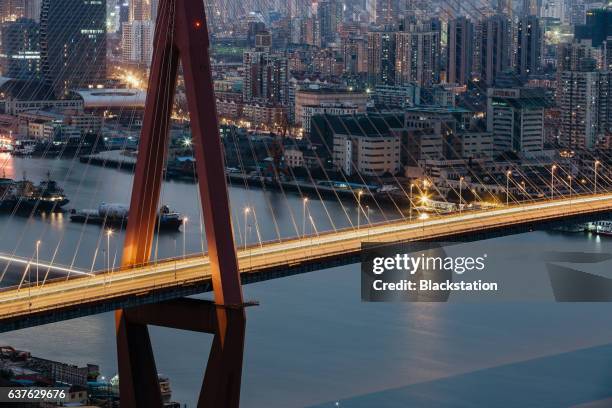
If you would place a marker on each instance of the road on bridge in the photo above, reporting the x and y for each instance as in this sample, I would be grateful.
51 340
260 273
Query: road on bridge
107 286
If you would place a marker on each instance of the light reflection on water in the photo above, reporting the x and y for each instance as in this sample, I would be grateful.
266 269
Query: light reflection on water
279 214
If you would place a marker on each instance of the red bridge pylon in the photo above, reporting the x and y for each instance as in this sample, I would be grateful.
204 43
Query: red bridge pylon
181 35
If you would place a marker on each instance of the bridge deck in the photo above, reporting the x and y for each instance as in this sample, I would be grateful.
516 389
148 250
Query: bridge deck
166 275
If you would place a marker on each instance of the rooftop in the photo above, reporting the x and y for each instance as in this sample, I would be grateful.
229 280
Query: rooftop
109 98
370 125
438 109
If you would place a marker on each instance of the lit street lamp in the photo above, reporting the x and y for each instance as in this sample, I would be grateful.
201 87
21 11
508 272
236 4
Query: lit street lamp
247 210
174 255
411 202
460 194
424 217
184 235
569 178
597 163
508 174
37 247
552 181
304 204
359 194
109 232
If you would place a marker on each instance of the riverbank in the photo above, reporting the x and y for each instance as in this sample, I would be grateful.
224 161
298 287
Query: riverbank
115 159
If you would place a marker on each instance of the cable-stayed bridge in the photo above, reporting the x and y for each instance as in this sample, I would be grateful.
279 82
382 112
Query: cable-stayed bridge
84 293
144 293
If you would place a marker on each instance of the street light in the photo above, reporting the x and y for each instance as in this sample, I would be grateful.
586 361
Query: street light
424 217
247 210
184 235
37 246
569 178
597 163
359 194
508 174
552 181
109 232
411 202
460 194
304 203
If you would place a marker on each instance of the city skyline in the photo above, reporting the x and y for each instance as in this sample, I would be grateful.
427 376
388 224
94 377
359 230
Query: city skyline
153 151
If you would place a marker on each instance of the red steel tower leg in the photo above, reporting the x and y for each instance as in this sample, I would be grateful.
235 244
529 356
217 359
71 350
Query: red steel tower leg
181 34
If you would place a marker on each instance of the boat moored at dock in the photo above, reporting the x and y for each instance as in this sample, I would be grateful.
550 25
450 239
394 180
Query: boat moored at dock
24 195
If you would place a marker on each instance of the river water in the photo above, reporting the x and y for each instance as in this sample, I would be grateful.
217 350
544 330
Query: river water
312 342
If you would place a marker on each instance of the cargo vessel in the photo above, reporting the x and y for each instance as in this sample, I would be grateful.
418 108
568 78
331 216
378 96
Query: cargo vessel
24 195
600 228
116 216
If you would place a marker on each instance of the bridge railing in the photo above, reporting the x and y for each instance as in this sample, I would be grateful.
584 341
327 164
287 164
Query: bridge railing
365 232
31 300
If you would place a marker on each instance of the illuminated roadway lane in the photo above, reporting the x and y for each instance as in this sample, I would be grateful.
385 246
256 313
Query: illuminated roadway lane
109 286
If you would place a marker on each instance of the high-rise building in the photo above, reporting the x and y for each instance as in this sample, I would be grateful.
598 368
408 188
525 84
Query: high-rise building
254 28
381 58
155 6
263 41
577 12
253 62
607 52
140 10
597 28
417 55
577 56
504 7
515 116
586 107
20 51
355 55
32 10
459 50
529 46
573 56
531 8
329 18
124 11
370 7
266 77
73 43
493 47
11 10
387 12
113 16
137 42
137 33
297 8
553 9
